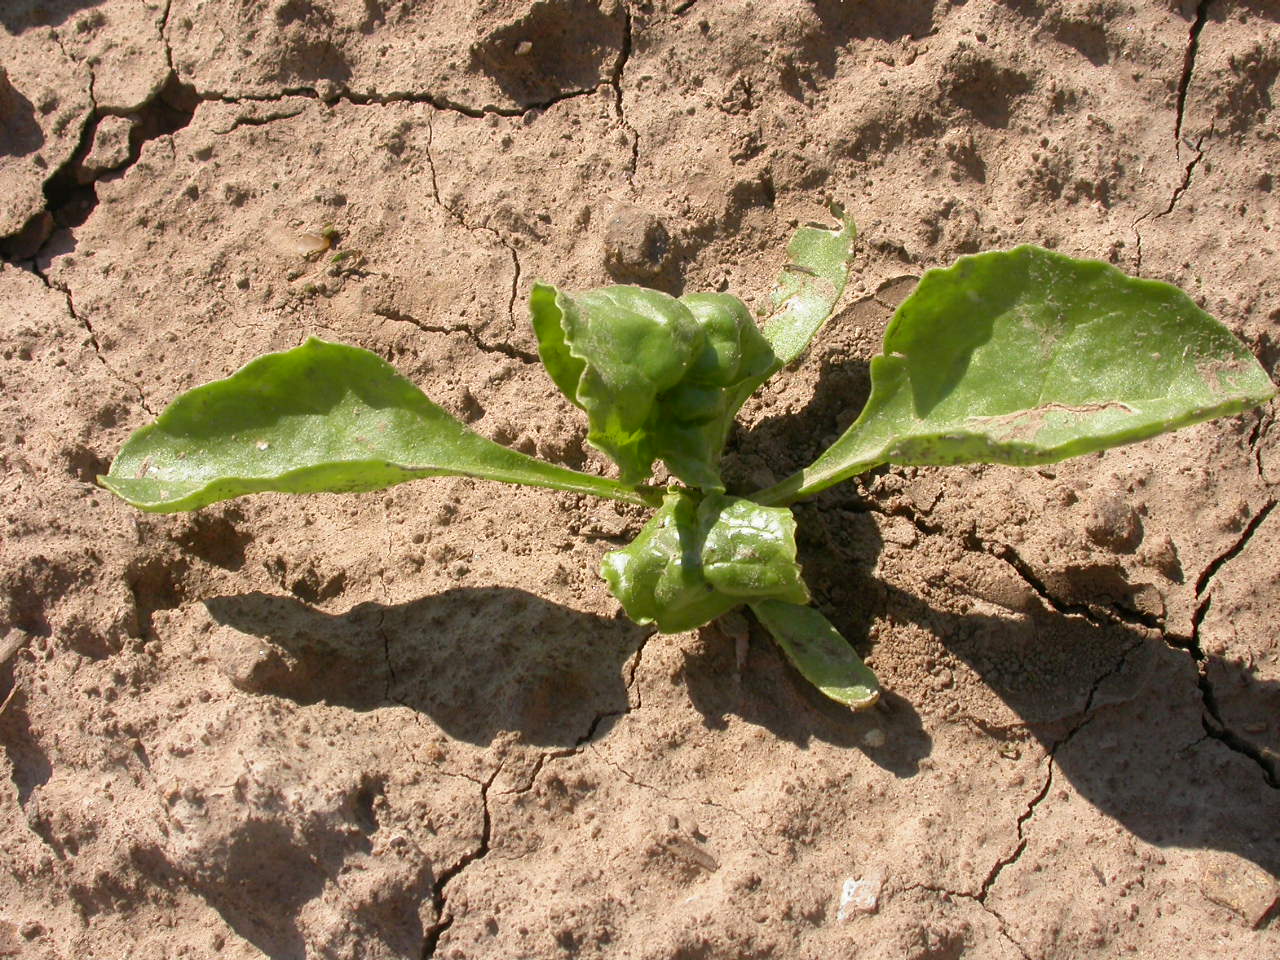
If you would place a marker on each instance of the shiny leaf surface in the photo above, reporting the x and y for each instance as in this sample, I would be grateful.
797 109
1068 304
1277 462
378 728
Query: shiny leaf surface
696 560
319 418
819 652
1027 357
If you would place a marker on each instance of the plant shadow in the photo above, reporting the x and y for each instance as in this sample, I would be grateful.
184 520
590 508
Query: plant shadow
1127 721
20 134
477 661
770 693
21 15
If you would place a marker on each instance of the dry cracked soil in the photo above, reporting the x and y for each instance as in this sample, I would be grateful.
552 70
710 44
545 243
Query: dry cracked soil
414 724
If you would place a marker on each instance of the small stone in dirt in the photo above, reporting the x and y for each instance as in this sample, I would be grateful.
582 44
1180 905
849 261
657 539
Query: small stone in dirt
1114 523
1161 554
873 738
636 244
11 643
110 148
327 91
861 896
250 663
1239 885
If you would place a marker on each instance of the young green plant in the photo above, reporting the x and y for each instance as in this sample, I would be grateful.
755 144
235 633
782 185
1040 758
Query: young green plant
1017 357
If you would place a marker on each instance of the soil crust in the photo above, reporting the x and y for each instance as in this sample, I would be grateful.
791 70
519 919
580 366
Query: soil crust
415 724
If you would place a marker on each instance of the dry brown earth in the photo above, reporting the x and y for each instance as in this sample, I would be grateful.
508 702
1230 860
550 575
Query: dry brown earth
414 724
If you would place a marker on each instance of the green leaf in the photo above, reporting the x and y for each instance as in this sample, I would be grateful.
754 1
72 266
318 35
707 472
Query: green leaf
817 650
612 351
693 419
320 417
811 283
1027 357
665 378
695 560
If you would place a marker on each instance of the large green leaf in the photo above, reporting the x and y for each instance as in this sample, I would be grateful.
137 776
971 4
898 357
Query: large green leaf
811 283
1027 357
819 652
320 417
695 560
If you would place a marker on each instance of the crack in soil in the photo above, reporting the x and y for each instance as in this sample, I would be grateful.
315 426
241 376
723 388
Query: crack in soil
993 875
615 81
164 37
1189 65
390 313
586 740
461 220
87 326
635 669
380 100
1115 614
260 121
962 895
1214 725
1137 257
1112 615
1259 431
439 898
1183 187
1184 88
1217 563
70 202
746 822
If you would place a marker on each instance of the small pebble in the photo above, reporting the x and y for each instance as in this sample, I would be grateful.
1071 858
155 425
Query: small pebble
861 896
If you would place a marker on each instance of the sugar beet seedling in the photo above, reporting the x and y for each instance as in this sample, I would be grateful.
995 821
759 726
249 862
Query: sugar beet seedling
1017 357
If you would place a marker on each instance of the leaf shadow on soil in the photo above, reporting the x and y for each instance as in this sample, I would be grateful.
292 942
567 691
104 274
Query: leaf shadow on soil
1118 707
1122 715
20 15
485 661
264 874
770 693
477 661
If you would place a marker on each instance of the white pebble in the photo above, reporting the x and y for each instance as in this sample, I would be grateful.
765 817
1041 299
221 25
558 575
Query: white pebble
861 896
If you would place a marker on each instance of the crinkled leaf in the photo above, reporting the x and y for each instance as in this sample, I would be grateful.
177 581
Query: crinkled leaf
819 652
1028 356
693 418
811 283
320 417
694 561
612 351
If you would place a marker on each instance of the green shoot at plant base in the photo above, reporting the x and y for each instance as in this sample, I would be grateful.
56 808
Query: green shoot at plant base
1018 357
